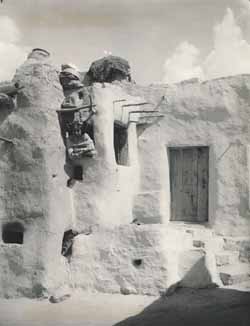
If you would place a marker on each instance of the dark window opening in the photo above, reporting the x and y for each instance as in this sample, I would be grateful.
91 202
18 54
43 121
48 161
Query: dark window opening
13 233
121 145
89 129
80 95
78 172
67 243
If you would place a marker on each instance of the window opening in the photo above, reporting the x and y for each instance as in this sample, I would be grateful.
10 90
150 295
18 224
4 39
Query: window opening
121 145
67 243
13 233
78 172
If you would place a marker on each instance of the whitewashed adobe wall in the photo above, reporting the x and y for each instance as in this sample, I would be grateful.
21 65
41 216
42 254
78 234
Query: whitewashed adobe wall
33 191
105 196
214 113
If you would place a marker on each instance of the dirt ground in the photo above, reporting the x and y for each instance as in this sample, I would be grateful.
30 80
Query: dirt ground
217 307
80 310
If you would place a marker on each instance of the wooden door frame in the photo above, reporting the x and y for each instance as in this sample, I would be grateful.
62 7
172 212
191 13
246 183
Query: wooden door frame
210 167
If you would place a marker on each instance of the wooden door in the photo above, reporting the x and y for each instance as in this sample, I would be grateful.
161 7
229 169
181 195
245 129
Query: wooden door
189 183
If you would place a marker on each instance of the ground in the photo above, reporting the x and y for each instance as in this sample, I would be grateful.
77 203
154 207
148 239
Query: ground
185 307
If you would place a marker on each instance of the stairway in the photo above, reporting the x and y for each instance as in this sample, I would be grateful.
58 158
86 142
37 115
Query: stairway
231 254
233 263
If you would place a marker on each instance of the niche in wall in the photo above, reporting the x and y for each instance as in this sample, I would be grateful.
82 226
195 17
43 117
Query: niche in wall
67 242
13 233
137 262
78 172
121 145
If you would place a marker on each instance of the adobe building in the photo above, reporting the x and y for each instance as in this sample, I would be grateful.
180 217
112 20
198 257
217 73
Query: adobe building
154 194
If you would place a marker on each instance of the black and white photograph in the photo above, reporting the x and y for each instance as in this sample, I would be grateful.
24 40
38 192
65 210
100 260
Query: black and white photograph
124 163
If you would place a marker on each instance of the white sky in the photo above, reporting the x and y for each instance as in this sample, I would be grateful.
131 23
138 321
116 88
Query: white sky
164 40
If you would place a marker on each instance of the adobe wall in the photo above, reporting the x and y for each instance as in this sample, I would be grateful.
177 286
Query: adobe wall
34 188
105 196
34 192
32 180
214 113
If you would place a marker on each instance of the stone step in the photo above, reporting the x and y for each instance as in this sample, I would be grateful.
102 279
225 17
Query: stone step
198 243
243 286
226 258
234 274
236 244
222 259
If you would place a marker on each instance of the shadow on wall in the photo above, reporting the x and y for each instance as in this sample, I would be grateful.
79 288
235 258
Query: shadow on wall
5 110
186 307
4 113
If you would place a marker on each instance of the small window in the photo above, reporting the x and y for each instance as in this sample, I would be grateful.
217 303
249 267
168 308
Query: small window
90 131
13 233
67 243
121 145
78 172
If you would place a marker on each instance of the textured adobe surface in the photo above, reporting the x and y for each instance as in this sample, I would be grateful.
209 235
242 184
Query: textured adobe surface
32 184
214 113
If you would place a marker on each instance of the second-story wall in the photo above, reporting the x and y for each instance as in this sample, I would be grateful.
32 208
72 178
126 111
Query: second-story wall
214 114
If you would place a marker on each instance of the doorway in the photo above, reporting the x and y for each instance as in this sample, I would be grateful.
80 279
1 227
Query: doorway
189 175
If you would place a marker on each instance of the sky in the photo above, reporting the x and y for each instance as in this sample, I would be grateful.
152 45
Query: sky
163 40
